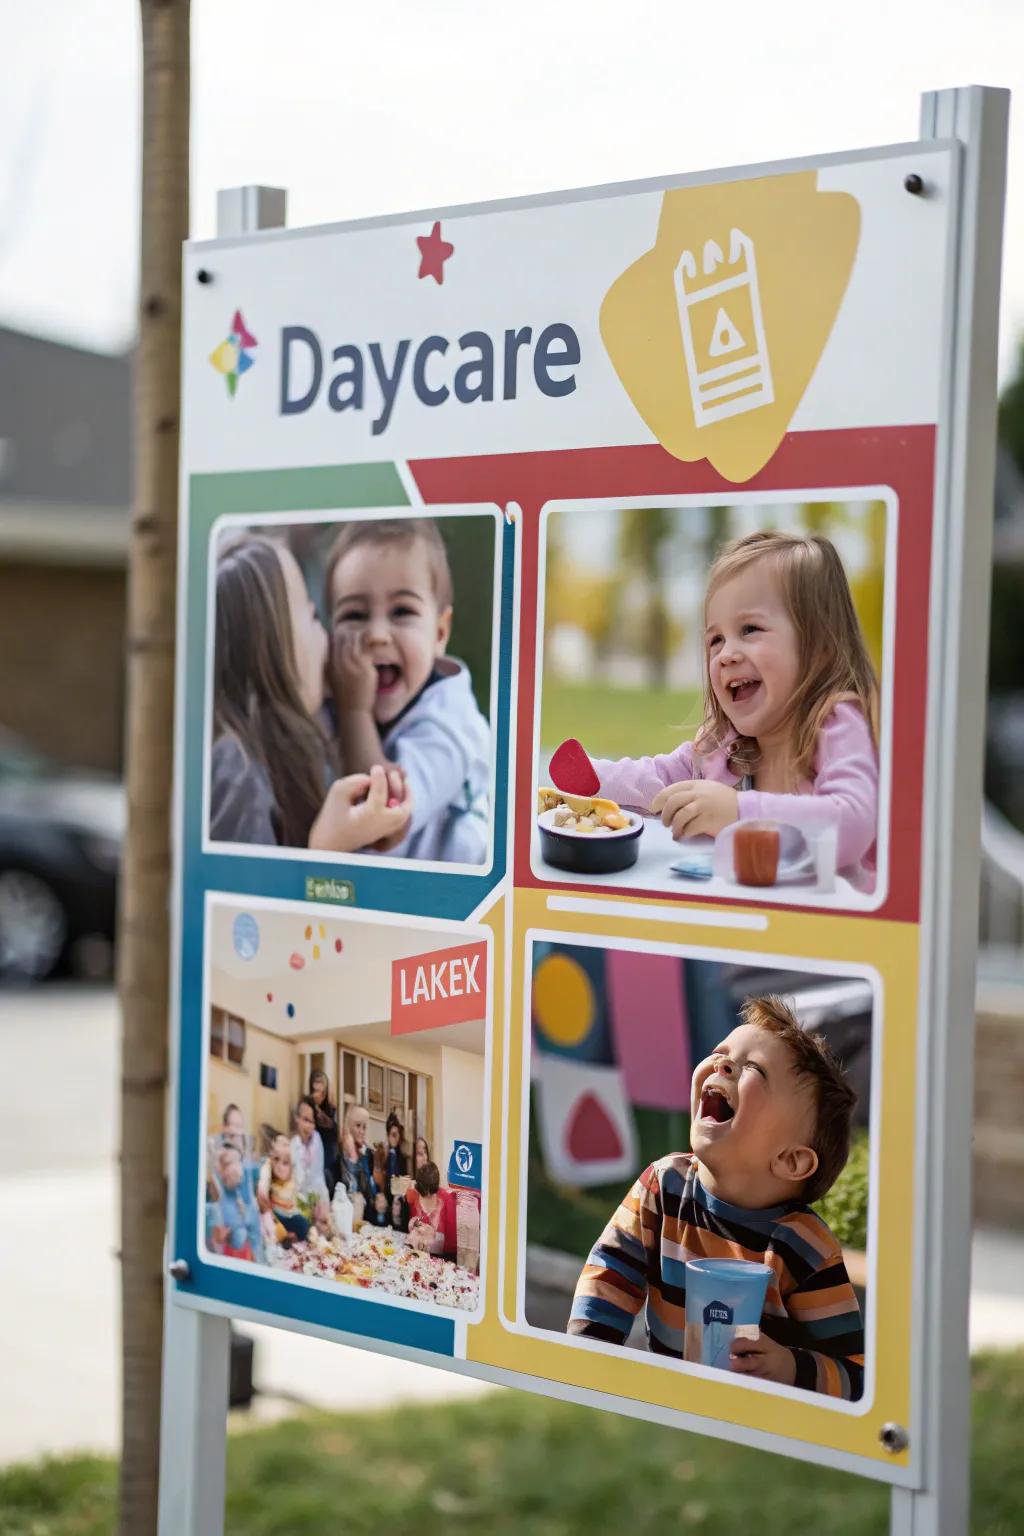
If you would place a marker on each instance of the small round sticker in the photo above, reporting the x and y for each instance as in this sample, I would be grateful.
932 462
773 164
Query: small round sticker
245 935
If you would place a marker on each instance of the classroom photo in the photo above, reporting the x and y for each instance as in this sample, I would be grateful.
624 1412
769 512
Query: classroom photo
350 668
345 1101
698 1148
712 713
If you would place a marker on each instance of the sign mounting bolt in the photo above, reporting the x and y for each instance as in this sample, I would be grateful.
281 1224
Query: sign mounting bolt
894 1438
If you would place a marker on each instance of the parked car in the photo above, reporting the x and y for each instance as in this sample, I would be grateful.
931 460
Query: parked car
61 832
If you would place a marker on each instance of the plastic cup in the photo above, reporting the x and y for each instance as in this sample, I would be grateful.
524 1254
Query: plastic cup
755 853
724 1300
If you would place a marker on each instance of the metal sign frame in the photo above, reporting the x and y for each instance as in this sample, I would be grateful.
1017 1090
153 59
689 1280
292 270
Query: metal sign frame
196 1341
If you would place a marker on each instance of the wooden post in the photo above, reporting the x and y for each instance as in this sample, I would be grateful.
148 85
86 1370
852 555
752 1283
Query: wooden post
143 936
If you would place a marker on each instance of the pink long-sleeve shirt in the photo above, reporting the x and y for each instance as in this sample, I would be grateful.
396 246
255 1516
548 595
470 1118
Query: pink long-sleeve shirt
843 791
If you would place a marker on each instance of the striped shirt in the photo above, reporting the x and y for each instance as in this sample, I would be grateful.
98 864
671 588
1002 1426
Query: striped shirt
667 1218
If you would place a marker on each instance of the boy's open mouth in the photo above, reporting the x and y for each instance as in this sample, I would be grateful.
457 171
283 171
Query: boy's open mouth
388 677
715 1106
743 689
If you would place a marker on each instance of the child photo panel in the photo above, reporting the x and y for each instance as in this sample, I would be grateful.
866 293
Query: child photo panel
712 714
350 686
346 1071
699 1154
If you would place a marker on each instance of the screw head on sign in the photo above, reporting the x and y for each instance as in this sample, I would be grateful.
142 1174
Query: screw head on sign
204 275
179 1269
914 184
894 1438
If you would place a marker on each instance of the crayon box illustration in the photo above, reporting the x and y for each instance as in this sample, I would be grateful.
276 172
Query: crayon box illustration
727 363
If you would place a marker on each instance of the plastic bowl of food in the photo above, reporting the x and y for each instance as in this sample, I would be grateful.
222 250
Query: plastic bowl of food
597 850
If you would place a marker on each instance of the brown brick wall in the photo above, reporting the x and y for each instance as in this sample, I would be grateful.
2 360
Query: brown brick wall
62 661
999 1112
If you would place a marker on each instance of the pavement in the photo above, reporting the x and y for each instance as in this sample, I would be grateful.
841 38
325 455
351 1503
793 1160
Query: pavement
59 1276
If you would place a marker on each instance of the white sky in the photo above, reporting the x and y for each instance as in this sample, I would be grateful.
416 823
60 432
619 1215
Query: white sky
411 103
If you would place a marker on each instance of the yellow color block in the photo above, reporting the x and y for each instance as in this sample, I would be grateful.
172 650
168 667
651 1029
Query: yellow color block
716 332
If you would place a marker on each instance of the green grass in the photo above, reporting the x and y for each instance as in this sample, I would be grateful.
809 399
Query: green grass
617 722
516 1465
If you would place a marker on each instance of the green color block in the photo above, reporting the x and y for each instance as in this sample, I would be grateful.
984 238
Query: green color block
318 488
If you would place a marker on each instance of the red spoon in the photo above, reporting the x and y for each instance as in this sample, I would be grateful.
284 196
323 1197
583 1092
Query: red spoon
572 771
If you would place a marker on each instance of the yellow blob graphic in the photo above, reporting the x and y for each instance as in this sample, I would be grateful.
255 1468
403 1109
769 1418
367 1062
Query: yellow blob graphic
316 951
716 332
563 1000
321 928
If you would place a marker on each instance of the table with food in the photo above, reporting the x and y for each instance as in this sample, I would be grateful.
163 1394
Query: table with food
592 840
380 1259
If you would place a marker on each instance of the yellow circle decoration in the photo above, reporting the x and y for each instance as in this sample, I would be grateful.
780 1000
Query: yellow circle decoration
563 1000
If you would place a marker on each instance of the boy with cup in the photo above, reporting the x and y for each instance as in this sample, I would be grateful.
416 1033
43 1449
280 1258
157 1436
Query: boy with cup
770 1134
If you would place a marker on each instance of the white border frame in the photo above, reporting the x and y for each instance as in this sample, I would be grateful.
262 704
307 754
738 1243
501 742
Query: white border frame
855 902
533 936
359 916
415 510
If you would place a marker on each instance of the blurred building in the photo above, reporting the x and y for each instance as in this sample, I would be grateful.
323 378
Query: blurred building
65 494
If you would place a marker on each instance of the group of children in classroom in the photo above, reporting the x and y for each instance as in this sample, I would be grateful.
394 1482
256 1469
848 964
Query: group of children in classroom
365 739
254 1202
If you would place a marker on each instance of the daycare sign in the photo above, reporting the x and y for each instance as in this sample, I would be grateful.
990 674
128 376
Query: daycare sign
696 317
661 344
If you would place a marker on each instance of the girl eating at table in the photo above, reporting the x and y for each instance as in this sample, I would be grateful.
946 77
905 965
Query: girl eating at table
790 726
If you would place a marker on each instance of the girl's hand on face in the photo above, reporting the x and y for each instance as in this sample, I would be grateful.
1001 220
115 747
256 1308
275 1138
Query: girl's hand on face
696 807
356 813
353 674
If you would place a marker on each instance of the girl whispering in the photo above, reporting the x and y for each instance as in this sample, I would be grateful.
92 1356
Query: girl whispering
790 726
273 778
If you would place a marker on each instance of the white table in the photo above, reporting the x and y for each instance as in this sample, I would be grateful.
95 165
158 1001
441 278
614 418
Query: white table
652 872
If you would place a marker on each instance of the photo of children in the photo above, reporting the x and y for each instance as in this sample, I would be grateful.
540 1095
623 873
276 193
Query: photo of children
698 1162
341 718
340 1190
740 649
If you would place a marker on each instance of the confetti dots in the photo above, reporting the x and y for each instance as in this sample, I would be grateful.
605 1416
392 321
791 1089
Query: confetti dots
316 951
290 1010
338 946
296 962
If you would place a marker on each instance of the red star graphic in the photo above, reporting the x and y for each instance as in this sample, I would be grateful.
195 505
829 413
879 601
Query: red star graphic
434 252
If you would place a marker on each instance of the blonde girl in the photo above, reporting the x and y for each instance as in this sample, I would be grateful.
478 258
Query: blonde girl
790 728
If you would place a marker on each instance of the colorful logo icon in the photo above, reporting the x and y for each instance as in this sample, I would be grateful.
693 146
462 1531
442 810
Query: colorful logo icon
716 331
233 356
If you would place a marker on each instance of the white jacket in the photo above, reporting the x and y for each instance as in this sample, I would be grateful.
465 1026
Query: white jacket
443 743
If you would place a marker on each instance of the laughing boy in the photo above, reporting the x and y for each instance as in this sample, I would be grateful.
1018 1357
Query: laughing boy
770 1134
